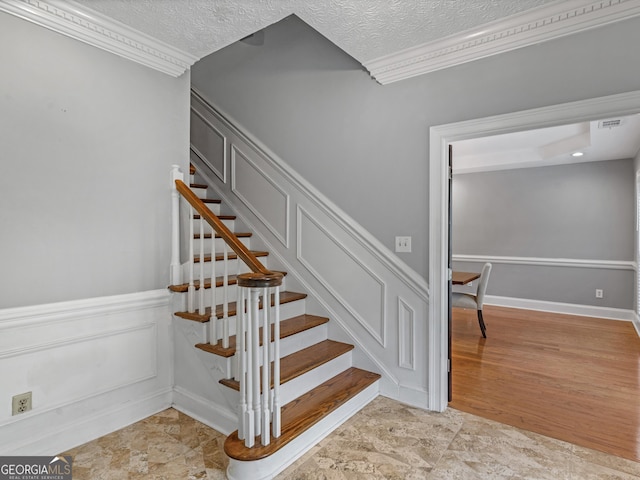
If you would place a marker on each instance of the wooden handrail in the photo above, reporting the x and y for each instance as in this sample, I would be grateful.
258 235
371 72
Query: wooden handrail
221 229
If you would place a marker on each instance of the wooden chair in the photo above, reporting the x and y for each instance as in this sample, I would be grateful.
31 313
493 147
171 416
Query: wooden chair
465 300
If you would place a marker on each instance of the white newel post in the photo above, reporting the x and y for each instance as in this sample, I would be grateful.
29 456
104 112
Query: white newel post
175 269
259 403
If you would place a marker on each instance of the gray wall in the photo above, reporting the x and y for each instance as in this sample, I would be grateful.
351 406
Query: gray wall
86 140
365 146
582 211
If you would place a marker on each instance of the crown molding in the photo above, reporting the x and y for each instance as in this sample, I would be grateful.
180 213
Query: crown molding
534 26
93 28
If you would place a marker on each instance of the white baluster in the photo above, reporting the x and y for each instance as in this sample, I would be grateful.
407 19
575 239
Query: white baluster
175 270
201 279
213 338
255 347
192 288
225 298
241 367
252 312
275 403
266 367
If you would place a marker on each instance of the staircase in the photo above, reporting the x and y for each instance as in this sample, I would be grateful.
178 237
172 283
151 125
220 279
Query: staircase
319 386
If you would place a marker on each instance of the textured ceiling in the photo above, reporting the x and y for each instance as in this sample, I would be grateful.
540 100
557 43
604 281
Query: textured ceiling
365 29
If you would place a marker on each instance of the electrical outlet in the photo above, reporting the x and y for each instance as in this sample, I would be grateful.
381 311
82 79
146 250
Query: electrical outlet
403 244
21 403
599 293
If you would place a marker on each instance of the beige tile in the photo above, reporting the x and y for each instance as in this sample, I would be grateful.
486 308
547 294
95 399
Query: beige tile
386 440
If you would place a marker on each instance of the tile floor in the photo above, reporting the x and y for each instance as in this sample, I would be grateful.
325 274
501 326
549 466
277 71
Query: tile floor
386 440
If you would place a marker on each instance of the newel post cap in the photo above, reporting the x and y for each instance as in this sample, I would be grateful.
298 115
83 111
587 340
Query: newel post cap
260 279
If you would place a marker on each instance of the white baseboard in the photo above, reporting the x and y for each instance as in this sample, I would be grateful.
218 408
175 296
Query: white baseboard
565 308
218 417
636 323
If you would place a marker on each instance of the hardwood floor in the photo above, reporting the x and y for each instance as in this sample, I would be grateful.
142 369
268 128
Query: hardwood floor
572 378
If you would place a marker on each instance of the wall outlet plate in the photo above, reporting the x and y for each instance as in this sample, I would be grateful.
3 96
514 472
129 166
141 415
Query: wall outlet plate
403 244
21 403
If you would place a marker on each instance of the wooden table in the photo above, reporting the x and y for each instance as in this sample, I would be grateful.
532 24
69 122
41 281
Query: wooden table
462 278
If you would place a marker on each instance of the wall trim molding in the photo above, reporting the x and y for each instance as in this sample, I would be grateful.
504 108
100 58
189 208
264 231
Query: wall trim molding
636 323
564 308
81 23
83 308
549 262
538 25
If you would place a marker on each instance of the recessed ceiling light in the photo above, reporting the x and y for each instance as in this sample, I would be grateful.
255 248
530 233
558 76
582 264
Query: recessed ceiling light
577 154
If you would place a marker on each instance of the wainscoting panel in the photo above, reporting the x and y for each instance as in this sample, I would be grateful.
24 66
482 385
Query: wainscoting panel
406 335
260 193
83 360
351 282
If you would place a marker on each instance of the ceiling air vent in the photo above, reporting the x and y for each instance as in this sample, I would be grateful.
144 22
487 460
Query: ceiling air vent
610 123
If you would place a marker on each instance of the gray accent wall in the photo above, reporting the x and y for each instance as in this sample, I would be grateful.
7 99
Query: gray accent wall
366 146
87 140
582 211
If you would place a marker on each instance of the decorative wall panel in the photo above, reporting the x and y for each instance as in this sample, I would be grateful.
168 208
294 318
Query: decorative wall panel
406 335
348 280
262 195
209 144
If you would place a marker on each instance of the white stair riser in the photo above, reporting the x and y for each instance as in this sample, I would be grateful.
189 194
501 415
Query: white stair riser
291 390
287 310
232 268
230 224
200 192
219 246
288 345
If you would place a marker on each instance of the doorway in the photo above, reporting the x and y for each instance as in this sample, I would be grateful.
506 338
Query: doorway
440 138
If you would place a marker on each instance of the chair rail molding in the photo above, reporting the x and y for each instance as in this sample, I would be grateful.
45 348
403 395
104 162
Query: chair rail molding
83 24
549 22
549 262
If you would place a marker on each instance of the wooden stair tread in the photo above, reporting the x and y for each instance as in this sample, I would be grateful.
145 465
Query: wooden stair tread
211 200
285 297
230 256
304 412
196 236
221 217
198 185
288 327
184 287
303 361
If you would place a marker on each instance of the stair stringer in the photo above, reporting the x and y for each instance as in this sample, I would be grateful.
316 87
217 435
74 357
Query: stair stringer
197 392
396 345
